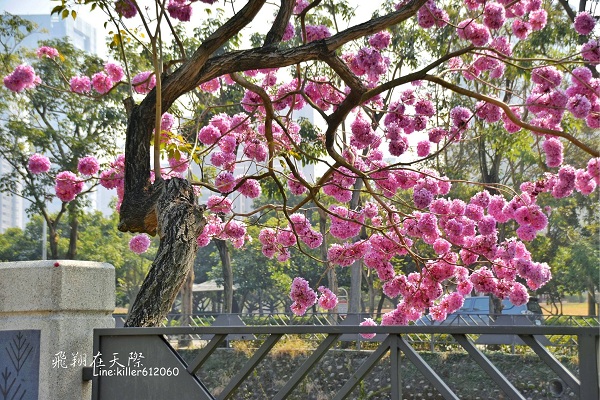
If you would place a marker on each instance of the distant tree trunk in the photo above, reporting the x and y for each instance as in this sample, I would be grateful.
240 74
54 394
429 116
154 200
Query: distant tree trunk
380 304
355 295
187 306
591 301
74 226
332 281
227 275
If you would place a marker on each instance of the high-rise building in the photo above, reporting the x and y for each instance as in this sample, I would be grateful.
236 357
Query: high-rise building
12 211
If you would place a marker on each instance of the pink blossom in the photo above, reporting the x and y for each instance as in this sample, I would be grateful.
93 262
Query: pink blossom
494 15
234 229
225 182
538 19
139 243
114 71
593 168
368 322
488 112
180 10
47 51
302 295
295 186
317 32
300 6
380 40
144 82
422 198
101 83
250 188
178 165
441 246
126 8
584 23
68 186
554 152
579 106
38 164
521 29
88 166
460 117
219 204
584 183
211 86
23 77
591 51
289 32
328 300
547 77
399 146
209 135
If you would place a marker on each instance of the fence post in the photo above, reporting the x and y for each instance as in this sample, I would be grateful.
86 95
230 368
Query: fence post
48 310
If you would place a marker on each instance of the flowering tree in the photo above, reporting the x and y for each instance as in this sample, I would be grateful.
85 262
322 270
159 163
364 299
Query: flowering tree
64 129
377 207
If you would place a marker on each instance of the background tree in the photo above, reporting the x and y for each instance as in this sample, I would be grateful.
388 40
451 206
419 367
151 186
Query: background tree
64 128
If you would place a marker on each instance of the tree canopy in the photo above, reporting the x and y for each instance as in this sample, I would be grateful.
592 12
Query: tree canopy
402 95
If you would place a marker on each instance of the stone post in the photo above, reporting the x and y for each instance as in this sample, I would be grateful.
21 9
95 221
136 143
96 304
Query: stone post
48 310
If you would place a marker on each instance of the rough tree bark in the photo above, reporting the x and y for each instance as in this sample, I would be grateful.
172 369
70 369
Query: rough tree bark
179 223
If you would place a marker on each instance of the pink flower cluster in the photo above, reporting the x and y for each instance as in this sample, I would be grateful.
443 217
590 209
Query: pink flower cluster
232 230
47 51
139 243
38 164
316 32
321 92
276 242
328 300
67 186
180 9
144 82
126 8
302 296
23 77
88 166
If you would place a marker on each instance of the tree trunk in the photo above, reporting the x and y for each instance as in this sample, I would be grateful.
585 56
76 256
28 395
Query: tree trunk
53 241
227 275
332 281
591 302
74 226
187 306
179 221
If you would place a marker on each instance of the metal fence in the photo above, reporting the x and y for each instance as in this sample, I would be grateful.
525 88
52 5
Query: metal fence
431 342
155 370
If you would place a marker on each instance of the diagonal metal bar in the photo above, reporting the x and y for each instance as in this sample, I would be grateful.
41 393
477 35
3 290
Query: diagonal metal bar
488 367
205 353
258 356
395 373
364 369
563 373
305 368
426 370
589 367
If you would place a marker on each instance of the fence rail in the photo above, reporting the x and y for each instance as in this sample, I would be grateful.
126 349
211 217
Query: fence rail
160 356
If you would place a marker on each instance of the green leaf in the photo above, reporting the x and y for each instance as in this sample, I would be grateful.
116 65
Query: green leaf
57 10
64 14
74 14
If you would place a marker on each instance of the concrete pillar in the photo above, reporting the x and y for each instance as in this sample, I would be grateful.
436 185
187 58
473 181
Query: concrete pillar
61 302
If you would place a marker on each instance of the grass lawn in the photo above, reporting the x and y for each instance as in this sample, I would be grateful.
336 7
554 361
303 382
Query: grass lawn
568 308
